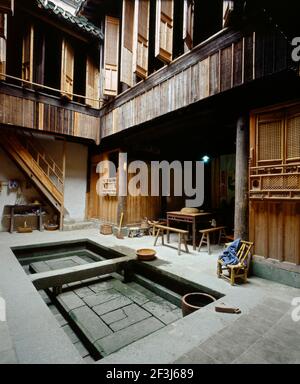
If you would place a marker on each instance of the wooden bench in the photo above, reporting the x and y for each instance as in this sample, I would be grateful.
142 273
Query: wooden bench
182 236
205 239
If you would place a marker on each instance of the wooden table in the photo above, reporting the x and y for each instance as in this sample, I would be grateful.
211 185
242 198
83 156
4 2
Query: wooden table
191 218
14 209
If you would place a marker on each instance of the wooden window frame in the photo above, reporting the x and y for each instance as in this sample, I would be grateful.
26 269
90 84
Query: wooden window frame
111 71
141 44
163 23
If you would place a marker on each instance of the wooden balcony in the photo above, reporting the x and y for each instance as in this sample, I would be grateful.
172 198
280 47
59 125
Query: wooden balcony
225 61
31 109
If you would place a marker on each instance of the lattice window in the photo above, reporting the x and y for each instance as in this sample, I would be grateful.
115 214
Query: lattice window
270 141
293 138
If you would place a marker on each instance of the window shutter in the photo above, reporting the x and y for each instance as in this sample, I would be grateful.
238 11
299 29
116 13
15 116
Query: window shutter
164 30
228 7
7 6
127 42
293 138
111 56
92 83
188 23
67 70
142 39
27 56
270 134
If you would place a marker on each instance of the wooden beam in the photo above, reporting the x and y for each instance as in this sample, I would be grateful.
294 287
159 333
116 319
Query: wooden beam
60 277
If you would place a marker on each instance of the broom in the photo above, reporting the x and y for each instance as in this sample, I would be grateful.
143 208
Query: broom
119 234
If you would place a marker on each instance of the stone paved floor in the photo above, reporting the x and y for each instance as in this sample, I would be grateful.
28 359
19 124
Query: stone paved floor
264 332
110 313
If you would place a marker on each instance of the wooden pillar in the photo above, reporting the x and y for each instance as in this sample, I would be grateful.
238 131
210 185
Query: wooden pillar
122 190
62 208
241 227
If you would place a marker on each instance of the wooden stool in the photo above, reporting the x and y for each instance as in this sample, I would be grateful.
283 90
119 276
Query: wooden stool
205 240
182 236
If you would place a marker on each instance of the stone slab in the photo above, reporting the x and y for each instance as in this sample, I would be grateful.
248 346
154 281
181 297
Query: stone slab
90 324
112 305
83 292
133 294
127 336
61 264
40 267
134 314
164 311
70 301
102 285
101 297
114 316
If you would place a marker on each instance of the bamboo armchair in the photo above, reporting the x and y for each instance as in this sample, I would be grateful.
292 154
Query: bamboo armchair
239 270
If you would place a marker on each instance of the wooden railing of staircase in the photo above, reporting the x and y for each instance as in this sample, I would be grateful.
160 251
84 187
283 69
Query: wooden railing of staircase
51 169
40 167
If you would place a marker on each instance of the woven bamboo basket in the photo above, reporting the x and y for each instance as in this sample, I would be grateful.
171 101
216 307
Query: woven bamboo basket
106 229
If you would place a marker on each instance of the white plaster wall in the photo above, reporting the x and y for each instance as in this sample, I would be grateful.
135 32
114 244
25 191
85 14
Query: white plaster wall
76 181
76 175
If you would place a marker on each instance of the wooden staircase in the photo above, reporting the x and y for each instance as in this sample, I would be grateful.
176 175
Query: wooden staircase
47 176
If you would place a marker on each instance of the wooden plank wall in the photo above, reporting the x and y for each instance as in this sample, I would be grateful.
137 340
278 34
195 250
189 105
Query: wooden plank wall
105 208
26 113
275 201
220 65
275 229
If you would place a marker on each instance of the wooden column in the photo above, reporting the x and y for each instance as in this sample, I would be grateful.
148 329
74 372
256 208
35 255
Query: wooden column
62 209
122 188
241 227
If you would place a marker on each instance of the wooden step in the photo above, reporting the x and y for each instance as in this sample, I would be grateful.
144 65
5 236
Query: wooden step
17 151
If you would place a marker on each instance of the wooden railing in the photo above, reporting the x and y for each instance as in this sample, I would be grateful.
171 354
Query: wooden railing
225 61
45 174
32 109
51 170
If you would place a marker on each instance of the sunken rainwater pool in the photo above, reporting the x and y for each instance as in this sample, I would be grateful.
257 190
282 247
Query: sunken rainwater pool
104 314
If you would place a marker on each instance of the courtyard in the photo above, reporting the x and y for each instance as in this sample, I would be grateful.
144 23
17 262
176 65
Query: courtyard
35 331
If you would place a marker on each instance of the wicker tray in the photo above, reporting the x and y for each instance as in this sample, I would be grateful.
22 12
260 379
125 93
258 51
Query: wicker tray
24 230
